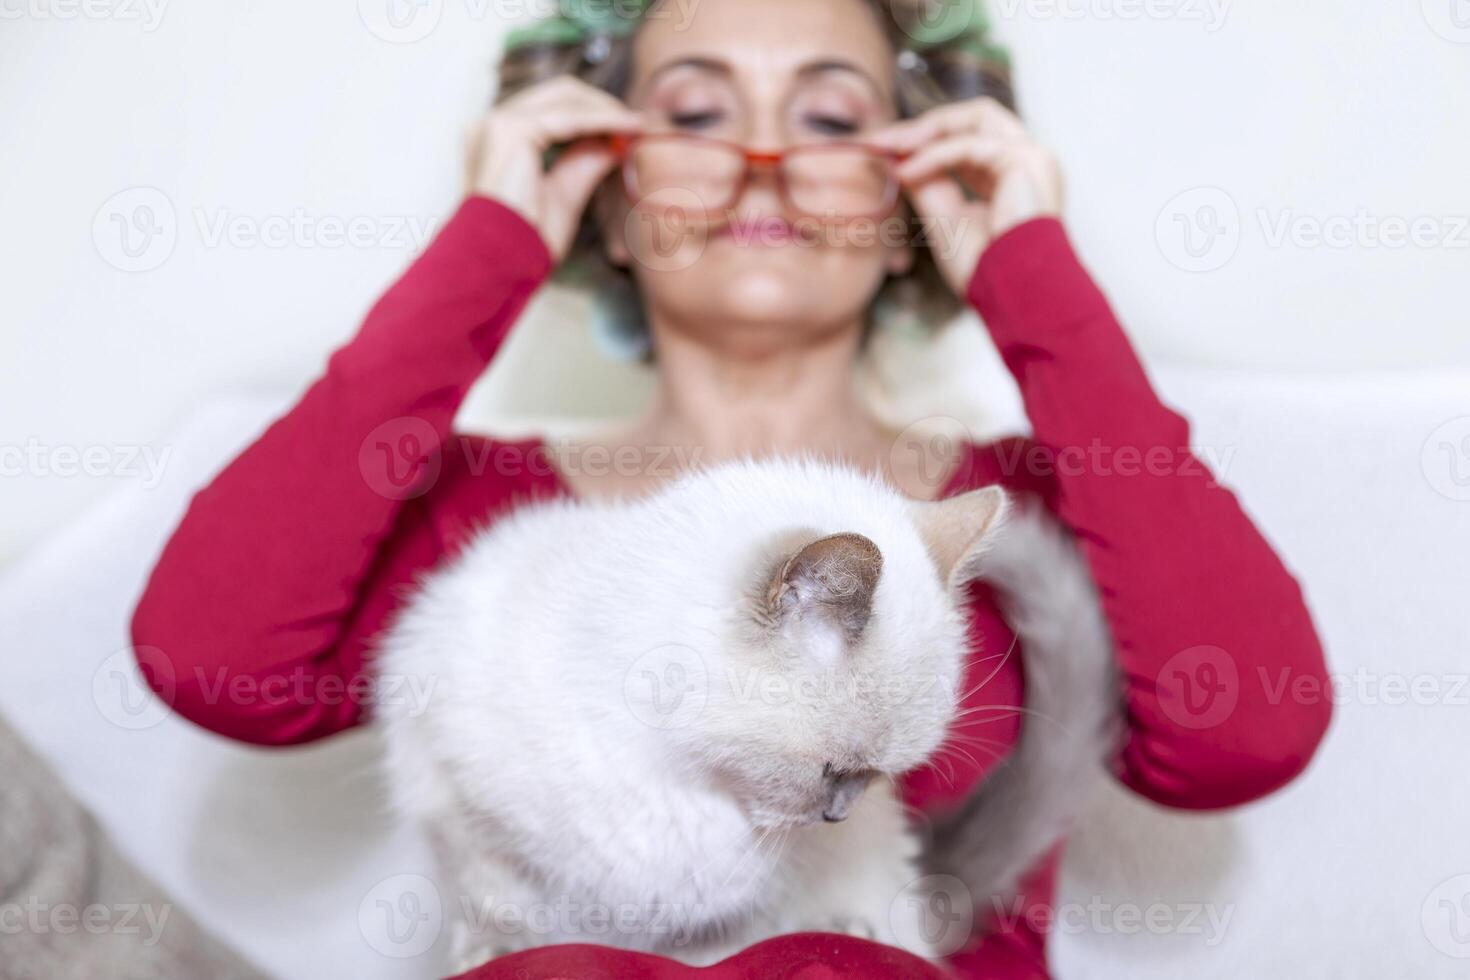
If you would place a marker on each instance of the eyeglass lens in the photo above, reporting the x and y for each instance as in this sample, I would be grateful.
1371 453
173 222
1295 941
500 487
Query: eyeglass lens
825 181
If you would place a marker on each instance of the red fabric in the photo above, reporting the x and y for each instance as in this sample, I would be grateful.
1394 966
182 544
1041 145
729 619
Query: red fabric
801 956
258 615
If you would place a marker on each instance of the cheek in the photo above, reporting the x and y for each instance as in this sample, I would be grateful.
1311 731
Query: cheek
654 243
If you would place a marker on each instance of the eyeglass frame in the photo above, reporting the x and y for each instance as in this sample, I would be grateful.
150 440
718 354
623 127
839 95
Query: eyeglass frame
622 145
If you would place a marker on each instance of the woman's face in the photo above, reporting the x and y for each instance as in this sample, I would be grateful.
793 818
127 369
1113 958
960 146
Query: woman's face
766 74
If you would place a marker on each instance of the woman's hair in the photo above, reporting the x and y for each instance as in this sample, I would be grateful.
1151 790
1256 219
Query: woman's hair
943 51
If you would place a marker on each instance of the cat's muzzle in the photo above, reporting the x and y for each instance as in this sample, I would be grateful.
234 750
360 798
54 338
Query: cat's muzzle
843 790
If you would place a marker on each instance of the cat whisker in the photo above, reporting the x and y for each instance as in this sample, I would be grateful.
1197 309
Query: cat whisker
1001 659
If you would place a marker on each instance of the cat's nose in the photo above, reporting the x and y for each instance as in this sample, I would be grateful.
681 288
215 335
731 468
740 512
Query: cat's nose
843 790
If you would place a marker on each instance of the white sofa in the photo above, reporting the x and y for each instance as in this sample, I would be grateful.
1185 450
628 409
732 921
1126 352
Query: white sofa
1361 868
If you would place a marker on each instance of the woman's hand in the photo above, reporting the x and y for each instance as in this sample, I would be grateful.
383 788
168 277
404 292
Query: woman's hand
972 173
508 146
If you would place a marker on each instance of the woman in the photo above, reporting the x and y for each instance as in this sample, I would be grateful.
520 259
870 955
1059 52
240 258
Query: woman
258 617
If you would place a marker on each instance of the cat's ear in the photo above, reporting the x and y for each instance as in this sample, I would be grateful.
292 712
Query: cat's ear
957 530
833 578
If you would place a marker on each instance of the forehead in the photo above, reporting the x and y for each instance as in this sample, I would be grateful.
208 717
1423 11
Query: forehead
763 42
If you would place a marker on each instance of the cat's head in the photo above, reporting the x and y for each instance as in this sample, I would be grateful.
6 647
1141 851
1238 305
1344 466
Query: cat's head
845 655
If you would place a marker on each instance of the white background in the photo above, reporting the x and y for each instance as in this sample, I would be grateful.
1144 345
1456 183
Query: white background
1339 373
1310 111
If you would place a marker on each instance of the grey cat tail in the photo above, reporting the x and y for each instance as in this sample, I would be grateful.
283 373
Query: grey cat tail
1072 725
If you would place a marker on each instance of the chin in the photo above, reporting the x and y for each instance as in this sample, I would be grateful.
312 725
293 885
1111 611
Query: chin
777 298
765 298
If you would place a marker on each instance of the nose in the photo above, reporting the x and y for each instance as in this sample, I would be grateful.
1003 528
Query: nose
764 139
843 790
761 193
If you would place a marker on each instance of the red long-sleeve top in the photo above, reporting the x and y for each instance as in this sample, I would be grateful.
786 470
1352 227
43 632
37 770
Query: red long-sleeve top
259 615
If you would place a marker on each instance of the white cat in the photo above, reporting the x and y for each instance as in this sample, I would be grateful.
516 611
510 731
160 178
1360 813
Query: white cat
672 724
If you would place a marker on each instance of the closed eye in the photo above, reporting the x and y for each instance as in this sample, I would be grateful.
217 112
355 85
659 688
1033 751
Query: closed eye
696 120
831 125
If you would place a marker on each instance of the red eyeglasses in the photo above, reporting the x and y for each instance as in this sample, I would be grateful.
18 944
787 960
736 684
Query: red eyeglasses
833 181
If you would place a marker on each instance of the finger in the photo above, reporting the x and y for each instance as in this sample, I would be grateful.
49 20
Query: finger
573 102
933 160
577 172
902 137
951 225
557 89
563 94
983 115
936 198
917 133
563 126
997 119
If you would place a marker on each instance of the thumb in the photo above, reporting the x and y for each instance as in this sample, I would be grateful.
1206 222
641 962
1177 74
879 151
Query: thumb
578 172
936 196
953 227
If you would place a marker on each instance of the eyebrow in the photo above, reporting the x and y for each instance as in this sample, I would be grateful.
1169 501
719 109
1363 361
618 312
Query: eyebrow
718 67
838 65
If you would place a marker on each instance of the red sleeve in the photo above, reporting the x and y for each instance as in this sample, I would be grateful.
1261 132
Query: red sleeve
797 956
244 624
1211 630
